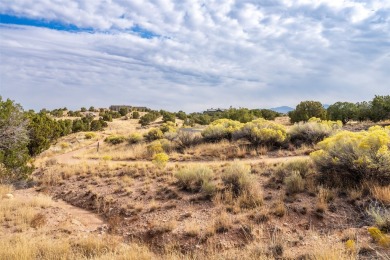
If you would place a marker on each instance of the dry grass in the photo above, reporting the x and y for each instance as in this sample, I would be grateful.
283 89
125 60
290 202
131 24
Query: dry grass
222 222
326 249
324 197
223 150
192 229
381 193
22 213
279 209
54 175
124 127
21 246
5 189
294 183
118 152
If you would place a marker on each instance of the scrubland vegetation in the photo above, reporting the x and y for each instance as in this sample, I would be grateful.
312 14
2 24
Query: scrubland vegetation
233 184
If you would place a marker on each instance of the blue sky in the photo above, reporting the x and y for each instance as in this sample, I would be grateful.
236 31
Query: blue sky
193 55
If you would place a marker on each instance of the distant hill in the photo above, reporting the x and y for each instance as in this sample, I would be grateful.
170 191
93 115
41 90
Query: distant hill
282 109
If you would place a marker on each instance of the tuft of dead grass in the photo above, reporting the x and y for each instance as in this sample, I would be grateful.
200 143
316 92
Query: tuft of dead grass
5 189
381 193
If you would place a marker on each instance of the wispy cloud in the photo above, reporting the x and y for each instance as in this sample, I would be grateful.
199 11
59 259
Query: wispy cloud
193 54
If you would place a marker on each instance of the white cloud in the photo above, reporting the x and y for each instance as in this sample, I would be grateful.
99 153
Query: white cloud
210 53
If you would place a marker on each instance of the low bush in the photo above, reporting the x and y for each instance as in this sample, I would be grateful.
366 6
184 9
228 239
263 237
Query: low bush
195 178
379 237
167 145
90 135
294 183
115 139
154 148
304 167
348 159
313 131
238 180
160 160
171 136
154 134
135 138
187 139
262 132
381 217
168 127
135 115
221 129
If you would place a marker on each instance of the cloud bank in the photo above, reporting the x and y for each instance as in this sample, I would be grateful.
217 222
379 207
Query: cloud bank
193 55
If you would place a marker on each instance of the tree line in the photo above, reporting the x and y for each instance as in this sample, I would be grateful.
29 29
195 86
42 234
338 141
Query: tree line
242 115
375 110
25 134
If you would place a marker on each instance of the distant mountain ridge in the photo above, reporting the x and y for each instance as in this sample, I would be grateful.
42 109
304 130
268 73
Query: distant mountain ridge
286 109
282 109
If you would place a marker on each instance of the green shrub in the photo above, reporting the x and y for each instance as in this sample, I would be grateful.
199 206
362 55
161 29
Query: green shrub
98 125
348 158
195 178
135 138
263 132
306 110
168 117
168 127
313 131
89 135
123 111
148 118
115 139
154 134
135 115
160 160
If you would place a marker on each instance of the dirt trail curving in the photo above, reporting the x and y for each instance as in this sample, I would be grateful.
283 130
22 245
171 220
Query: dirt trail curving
83 219
69 158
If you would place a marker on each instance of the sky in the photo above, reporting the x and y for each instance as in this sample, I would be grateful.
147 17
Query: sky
192 55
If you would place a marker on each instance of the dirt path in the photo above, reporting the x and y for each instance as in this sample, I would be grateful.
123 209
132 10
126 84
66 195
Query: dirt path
83 219
68 158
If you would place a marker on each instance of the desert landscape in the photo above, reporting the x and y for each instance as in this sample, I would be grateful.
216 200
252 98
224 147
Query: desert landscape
264 189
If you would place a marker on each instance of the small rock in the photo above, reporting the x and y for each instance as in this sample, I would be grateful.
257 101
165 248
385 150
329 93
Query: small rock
8 196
